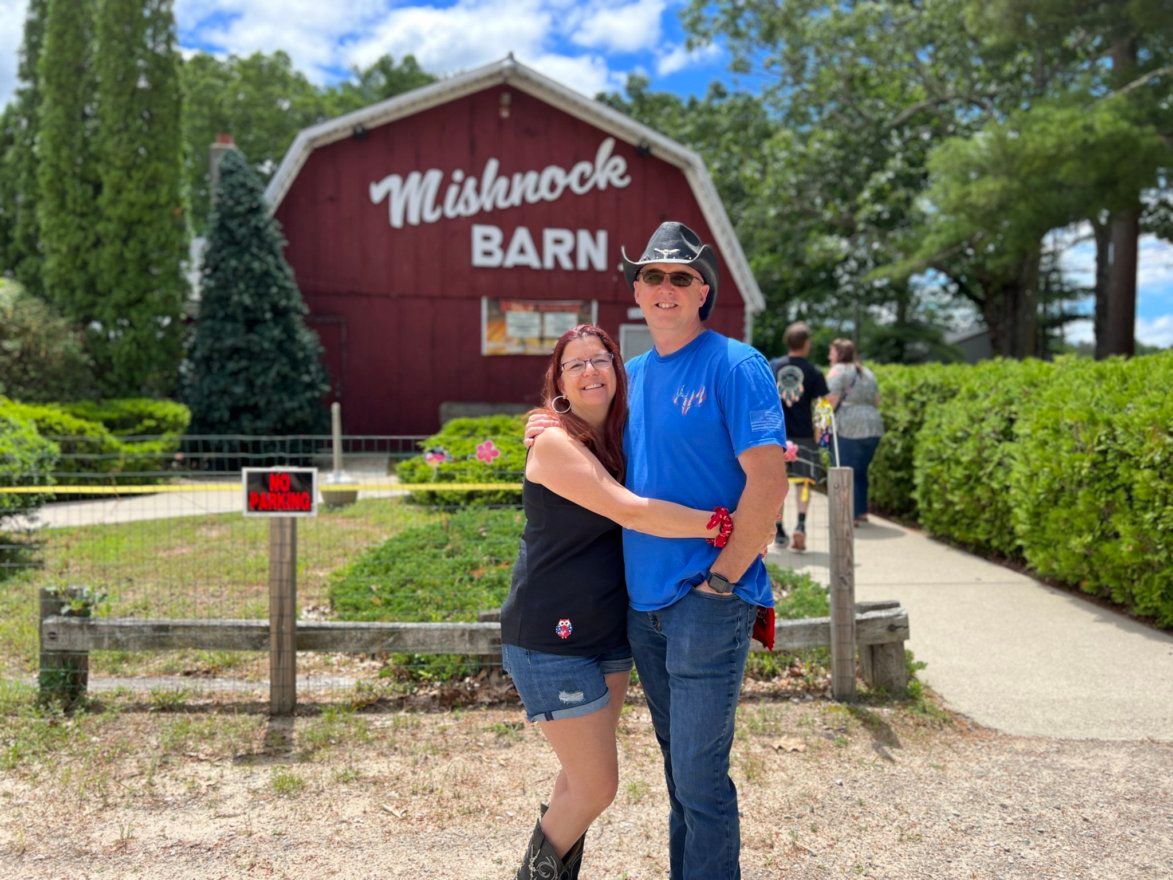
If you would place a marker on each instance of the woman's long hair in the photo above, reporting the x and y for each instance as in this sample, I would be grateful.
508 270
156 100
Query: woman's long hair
607 448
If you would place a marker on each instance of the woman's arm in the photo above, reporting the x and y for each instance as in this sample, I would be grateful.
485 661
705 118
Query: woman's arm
567 468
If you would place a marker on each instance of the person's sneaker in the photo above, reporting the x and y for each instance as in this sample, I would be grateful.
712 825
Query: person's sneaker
798 542
780 536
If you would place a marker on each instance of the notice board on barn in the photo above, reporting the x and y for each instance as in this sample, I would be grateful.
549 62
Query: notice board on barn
530 326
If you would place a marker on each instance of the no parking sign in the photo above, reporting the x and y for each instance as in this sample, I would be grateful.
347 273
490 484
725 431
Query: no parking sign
280 491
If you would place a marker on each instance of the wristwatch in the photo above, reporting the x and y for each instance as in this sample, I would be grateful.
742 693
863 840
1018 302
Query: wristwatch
719 583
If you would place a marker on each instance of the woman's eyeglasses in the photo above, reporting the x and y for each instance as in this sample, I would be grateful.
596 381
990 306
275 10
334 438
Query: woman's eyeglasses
602 361
655 277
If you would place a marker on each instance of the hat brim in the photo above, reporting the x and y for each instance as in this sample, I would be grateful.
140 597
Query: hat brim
704 262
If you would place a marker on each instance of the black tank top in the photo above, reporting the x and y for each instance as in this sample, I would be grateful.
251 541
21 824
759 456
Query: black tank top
568 595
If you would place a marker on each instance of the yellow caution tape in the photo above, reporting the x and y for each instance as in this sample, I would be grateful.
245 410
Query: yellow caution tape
236 487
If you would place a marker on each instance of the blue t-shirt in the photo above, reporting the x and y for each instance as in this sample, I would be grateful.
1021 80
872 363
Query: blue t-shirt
690 415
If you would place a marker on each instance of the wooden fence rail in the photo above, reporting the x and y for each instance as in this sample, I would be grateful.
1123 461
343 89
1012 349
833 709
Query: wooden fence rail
881 629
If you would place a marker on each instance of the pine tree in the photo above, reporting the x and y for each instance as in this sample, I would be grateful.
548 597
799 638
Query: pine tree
254 366
66 173
142 231
18 164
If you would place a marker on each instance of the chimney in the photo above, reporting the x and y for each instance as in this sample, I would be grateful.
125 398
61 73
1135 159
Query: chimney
223 144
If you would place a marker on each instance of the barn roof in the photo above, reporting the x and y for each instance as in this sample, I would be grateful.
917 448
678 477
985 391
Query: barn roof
528 80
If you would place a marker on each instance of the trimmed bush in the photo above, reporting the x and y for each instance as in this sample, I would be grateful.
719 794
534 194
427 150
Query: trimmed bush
26 459
133 416
460 439
85 447
148 431
437 572
444 571
965 450
1091 487
907 394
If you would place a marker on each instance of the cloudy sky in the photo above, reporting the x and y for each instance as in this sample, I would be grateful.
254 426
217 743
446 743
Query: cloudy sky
590 45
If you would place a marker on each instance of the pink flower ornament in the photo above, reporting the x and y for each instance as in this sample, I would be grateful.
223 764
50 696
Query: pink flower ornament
488 451
436 456
791 451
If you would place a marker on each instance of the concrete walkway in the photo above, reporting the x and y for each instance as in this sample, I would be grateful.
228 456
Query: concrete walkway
1004 649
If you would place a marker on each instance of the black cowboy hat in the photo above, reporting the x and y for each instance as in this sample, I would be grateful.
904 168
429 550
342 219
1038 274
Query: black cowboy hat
674 242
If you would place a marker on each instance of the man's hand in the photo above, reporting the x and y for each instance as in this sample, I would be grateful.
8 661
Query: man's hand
535 424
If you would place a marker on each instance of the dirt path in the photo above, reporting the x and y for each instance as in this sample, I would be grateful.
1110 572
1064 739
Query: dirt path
826 792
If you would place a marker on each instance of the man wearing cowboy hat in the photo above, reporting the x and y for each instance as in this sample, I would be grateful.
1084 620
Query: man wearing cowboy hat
704 429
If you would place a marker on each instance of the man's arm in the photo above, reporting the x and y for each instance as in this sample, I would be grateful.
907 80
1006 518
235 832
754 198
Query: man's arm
765 490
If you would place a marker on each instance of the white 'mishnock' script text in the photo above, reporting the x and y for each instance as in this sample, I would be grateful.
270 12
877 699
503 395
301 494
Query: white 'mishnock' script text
421 197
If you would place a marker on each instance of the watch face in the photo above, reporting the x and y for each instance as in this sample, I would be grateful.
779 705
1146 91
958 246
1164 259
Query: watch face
720 584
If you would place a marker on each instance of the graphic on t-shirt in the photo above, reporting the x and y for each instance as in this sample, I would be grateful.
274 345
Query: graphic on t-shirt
790 384
564 628
685 399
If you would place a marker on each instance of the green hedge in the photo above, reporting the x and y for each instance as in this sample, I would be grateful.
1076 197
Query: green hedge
85 446
1065 465
906 395
1092 486
133 416
964 454
128 436
148 431
460 439
26 458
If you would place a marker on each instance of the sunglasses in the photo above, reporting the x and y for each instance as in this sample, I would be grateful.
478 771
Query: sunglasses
655 277
600 362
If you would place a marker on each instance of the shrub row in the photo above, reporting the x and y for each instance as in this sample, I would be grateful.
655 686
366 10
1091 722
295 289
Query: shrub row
455 460
1063 465
111 437
26 459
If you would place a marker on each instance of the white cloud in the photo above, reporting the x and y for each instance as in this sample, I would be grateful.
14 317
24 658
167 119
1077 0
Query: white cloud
12 13
617 26
459 37
1155 331
1079 331
309 31
682 57
588 74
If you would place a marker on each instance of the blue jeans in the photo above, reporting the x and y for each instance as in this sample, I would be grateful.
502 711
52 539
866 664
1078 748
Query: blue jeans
857 454
691 657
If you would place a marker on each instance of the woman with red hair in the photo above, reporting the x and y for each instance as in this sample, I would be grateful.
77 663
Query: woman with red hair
564 624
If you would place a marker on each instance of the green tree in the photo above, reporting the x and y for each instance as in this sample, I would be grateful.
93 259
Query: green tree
42 355
18 164
861 92
142 233
1117 58
260 100
263 102
254 366
996 194
67 176
369 85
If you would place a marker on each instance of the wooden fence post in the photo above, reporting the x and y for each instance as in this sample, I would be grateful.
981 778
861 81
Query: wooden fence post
282 615
839 500
64 675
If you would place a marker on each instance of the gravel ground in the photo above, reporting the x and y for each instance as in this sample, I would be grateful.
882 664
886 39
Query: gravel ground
826 792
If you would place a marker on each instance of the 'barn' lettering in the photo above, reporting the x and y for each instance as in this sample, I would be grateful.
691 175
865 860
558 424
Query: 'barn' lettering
568 249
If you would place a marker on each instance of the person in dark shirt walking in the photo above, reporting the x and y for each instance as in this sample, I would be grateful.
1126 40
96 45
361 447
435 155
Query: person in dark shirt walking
800 384
564 623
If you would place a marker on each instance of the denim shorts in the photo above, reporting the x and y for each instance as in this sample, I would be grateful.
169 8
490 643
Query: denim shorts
554 686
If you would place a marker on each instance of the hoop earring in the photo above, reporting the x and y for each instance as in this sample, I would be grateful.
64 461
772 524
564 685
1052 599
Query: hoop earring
554 405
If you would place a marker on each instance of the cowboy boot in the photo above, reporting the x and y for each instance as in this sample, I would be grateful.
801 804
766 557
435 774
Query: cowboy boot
540 861
572 861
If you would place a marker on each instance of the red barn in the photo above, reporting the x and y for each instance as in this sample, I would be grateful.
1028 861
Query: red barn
443 239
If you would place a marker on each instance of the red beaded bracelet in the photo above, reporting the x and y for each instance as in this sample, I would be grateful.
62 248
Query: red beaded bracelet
723 522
